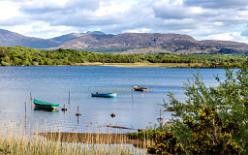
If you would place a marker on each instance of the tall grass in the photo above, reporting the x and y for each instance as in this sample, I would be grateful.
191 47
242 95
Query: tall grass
68 144
40 146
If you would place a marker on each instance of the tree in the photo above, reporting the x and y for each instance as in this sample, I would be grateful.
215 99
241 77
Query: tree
212 120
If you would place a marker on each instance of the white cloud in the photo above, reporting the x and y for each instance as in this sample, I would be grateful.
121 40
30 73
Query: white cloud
8 10
111 8
35 29
139 30
203 19
228 36
36 4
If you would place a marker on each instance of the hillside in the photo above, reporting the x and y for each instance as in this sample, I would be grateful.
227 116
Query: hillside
8 38
125 42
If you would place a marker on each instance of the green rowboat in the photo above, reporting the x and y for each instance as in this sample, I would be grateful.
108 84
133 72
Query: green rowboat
44 105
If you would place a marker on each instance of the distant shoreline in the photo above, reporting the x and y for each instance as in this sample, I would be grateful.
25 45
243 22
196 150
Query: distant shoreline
132 65
145 65
141 65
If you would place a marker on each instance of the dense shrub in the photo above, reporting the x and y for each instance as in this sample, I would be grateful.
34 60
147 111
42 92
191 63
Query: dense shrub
212 120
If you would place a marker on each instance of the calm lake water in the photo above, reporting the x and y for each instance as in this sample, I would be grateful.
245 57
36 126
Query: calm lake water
132 109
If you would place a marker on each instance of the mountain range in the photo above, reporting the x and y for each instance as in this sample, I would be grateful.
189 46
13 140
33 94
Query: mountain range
125 42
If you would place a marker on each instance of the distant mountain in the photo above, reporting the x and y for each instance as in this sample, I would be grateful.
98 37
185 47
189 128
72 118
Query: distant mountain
95 33
125 42
150 43
8 38
67 37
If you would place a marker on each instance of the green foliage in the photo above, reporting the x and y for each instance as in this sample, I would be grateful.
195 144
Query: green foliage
16 56
212 120
166 143
142 135
205 137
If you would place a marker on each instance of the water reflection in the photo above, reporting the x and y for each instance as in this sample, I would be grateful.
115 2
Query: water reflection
72 86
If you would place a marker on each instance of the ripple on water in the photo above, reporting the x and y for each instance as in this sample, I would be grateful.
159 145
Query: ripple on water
132 109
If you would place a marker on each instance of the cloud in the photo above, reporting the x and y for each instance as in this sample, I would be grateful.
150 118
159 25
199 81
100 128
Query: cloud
171 10
218 3
244 33
203 19
55 6
35 29
8 10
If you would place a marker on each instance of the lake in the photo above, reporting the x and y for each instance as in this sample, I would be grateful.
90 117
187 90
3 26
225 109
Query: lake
132 109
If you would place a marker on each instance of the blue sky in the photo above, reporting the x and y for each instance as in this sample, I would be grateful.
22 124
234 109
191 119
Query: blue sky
202 19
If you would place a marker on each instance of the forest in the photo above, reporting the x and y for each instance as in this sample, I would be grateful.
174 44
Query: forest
22 56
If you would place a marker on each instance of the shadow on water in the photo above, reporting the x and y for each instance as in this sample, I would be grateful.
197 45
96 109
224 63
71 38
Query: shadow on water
46 110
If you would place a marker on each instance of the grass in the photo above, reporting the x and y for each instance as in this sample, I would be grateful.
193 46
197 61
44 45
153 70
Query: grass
100 138
67 144
36 146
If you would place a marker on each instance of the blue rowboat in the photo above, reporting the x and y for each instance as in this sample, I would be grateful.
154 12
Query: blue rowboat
104 95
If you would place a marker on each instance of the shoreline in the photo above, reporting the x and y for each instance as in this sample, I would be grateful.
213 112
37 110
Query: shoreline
140 64
134 65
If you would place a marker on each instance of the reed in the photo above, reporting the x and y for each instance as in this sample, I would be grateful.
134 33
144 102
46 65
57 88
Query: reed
40 146
58 143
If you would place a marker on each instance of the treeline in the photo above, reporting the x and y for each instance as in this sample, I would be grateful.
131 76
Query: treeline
21 56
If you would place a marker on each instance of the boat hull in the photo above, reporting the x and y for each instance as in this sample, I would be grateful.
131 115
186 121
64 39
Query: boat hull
108 95
139 88
43 105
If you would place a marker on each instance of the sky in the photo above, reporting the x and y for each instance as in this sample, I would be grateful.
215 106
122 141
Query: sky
202 19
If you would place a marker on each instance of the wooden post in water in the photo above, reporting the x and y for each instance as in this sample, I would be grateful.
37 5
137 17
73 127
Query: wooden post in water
64 109
69 98
30 95
132 96
78 114
25 115
31 99
25 109
77 119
